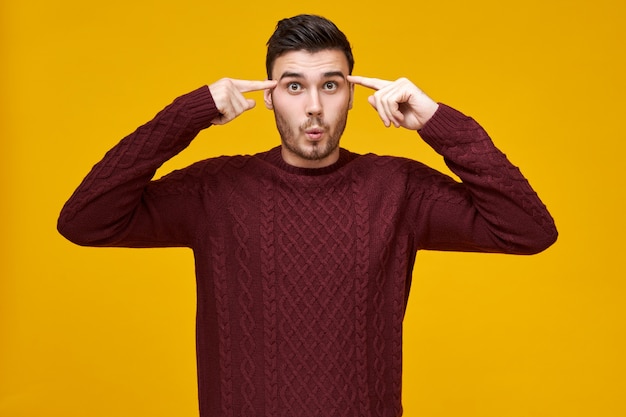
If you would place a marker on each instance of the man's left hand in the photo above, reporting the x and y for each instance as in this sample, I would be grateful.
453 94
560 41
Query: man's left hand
399 102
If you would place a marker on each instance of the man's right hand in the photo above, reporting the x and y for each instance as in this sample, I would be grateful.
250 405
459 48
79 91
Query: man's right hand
228 97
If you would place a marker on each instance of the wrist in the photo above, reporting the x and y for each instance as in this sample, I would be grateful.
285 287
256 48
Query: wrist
429 111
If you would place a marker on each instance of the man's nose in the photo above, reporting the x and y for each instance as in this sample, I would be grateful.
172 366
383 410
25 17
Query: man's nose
313 105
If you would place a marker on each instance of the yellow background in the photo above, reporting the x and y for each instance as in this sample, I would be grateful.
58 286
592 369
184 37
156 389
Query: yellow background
110 332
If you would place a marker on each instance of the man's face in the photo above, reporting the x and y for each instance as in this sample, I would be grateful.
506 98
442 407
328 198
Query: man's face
310 103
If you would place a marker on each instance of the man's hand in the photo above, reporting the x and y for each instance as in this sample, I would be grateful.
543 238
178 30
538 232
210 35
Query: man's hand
229 100
398 102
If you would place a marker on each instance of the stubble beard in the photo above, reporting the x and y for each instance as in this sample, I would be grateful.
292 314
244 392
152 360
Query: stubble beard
317 151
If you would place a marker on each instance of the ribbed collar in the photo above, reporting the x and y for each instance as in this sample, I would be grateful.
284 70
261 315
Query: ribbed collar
274 157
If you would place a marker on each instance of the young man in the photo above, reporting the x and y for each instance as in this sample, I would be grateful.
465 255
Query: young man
304 253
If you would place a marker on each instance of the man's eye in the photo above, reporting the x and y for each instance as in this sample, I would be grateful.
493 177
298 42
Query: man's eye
293 87
330 85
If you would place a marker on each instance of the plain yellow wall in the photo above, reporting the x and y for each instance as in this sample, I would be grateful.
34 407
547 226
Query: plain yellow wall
110 332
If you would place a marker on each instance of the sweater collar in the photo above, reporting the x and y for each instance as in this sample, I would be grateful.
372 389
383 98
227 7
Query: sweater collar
274 157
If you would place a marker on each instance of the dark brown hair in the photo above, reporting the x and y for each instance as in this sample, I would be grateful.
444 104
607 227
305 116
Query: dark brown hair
309 33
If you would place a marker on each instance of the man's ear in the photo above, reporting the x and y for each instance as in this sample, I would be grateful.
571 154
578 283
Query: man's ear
267 97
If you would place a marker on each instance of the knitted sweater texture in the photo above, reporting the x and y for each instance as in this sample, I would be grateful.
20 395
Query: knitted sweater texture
303 274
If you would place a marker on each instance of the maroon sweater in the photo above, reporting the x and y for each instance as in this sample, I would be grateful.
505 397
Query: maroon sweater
303 274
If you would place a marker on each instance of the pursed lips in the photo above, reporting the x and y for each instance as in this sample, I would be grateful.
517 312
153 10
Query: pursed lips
314 132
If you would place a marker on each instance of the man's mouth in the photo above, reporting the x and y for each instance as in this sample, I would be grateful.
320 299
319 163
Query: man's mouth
314 133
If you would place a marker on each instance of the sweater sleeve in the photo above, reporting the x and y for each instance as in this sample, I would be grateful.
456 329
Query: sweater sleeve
492 209
113 206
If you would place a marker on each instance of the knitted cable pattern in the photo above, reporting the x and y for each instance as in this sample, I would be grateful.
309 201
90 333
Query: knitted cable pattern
362 233
315 232
224 326
247 319
268 274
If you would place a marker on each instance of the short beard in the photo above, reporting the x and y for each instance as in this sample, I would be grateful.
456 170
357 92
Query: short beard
318 152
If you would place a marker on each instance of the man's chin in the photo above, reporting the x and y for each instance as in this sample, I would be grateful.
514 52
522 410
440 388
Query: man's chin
311 153
315 151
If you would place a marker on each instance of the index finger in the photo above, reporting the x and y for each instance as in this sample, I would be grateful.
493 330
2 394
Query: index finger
245 86
373 83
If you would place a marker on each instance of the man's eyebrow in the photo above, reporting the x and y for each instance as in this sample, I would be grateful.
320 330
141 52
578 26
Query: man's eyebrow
328 74
291 75
334 74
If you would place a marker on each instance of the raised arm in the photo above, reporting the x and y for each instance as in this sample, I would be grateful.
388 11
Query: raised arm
493 209
113 205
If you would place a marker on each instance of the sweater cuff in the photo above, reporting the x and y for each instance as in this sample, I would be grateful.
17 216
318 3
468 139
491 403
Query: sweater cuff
200 105
444 128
